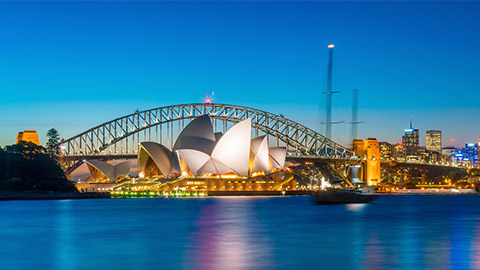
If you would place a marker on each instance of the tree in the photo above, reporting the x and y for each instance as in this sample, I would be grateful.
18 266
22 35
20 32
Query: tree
457 175
4 164
28 167
53 140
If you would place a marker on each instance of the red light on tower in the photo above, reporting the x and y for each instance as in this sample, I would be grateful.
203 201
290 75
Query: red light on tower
209 99
452 140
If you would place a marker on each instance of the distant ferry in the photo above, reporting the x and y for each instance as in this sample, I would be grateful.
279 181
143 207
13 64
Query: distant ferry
343 196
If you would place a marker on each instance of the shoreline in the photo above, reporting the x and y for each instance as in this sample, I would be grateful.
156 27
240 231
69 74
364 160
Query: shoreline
431 191
10 196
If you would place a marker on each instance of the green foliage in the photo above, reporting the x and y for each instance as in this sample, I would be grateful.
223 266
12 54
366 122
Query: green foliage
53 140
4 164
28 167
474 172
457 175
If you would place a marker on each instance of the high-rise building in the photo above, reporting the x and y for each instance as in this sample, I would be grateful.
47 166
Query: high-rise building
28 136
410 140
470 153
434 140
478 149
420 153
386 150
432 156
399 152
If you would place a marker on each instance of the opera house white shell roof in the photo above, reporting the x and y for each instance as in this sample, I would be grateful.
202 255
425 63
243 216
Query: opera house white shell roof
163 159
197 135
202 151
100 169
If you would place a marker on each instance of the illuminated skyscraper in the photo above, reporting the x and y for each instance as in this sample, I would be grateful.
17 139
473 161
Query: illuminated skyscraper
470 153
478 149
410 140
434 140
399 152
386 150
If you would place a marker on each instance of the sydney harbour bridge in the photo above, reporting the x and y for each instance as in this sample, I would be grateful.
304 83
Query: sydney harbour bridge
119 138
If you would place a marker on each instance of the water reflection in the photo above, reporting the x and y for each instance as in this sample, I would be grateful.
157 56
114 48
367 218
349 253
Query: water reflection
229 236
63 233
459 238
476 245
374 252
395 232
356 207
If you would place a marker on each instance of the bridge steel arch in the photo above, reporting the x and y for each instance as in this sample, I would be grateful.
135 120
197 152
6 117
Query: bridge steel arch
300 140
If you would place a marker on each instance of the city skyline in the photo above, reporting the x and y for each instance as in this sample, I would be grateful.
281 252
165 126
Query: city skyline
406 59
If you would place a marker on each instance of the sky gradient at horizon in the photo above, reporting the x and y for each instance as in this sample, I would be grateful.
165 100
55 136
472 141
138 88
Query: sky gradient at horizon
74 65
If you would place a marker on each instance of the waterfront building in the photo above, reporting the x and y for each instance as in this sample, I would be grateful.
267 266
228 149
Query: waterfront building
200 151
28 136
386 150
95 186
372 156
410 141
202 160
434 140
369 153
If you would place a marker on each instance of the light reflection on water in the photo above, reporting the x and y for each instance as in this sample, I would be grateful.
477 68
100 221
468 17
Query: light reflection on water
406 231
220 241
356 207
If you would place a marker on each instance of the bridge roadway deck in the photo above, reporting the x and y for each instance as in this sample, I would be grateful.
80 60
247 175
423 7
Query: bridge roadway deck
313 160
134 156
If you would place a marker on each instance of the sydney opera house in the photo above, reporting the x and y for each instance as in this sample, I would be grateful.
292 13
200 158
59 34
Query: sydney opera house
203 160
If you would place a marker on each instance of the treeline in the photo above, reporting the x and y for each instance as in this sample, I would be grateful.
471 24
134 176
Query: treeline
28 167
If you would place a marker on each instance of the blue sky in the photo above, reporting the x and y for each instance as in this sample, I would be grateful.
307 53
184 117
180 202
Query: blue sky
73 65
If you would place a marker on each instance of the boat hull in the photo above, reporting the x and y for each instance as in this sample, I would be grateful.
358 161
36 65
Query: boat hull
342 197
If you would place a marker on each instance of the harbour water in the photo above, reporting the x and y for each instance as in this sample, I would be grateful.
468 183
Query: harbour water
396 231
